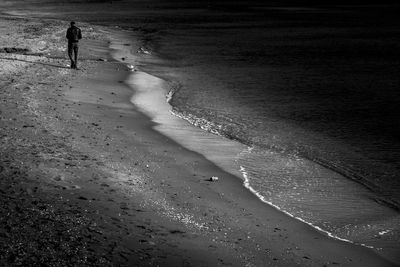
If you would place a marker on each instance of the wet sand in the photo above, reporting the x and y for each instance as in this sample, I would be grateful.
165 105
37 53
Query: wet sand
85 180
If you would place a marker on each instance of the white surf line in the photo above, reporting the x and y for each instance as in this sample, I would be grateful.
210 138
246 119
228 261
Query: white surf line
243 171
246 184
246 181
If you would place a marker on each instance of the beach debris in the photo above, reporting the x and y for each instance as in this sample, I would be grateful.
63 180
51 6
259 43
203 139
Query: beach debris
131 67
123 58
142 50
14 50
213 179
384 232
101 59
177 231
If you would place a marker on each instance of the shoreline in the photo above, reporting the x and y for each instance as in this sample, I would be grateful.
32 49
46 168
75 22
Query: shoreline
151 98
168 177
154 111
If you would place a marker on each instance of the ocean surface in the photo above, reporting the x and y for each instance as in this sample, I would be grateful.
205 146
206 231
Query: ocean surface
311 93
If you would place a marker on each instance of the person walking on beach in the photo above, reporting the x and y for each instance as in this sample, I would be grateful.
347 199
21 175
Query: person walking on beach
73 35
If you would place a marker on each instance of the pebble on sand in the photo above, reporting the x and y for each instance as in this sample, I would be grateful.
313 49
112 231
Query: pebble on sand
213 179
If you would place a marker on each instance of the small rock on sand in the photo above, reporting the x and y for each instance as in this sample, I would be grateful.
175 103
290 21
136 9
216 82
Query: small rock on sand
213 179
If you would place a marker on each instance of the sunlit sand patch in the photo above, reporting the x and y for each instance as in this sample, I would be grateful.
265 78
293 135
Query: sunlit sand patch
177 215
125 178
132 184
8 66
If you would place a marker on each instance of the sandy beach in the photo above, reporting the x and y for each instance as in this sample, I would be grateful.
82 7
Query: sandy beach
87 181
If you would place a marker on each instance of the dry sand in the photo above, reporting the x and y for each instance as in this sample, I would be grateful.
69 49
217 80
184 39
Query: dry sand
85 180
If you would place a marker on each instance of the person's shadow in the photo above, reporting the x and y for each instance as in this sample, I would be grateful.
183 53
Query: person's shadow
34 62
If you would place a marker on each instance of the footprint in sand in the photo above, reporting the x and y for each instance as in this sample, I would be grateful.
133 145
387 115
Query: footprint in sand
59 178
72 187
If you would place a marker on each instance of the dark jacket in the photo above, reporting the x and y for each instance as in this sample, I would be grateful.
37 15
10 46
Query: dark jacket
74 34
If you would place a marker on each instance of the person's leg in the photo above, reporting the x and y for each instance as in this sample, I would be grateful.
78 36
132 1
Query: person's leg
76 49
70 55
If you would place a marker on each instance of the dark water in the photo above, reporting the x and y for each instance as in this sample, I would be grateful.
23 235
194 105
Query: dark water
312 90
